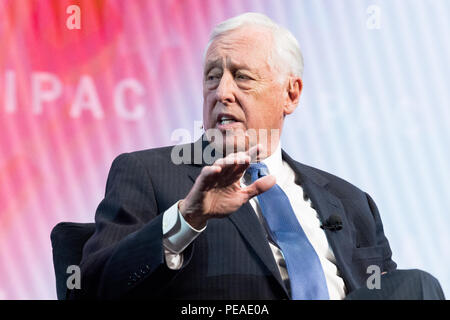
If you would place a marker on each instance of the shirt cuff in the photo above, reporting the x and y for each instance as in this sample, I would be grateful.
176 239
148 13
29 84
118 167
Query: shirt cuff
177 233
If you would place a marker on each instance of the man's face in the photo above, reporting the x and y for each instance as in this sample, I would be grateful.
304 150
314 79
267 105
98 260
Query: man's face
241 90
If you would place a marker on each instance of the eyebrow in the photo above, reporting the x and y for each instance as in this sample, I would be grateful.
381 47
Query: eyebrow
212 64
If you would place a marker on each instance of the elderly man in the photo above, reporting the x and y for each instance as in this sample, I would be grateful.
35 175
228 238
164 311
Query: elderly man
252 223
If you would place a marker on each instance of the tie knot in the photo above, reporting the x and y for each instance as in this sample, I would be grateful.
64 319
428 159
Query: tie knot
257 170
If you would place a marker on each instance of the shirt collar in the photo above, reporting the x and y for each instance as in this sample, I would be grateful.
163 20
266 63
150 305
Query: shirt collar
274 162
274 165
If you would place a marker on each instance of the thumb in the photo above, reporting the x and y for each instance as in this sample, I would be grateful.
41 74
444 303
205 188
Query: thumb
259 186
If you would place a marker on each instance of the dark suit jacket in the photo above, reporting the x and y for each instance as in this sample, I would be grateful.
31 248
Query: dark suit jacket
231 259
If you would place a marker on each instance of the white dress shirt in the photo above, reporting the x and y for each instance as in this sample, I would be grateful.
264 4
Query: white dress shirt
178 234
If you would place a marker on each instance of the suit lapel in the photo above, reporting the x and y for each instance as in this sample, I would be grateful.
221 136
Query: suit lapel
247 223
327 204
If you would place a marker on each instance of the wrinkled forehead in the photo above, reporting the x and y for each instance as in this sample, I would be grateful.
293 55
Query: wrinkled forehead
245 47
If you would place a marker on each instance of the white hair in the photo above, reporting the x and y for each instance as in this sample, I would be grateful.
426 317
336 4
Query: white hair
286 47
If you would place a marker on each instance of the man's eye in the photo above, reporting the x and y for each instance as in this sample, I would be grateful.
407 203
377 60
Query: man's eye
212 77
242 77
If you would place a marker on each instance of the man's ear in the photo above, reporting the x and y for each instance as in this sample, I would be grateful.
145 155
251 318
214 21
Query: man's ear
294 89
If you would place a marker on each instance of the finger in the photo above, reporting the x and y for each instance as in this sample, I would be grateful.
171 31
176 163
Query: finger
233 158
208 176
233 166
239 170
240 162
241 167
241 157
226 165
260 186
254 152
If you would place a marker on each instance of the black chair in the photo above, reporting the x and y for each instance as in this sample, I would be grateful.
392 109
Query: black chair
68 239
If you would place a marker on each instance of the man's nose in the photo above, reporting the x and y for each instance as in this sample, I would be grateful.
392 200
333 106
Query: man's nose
225 90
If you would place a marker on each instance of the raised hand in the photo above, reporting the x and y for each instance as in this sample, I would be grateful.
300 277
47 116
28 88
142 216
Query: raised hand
217 191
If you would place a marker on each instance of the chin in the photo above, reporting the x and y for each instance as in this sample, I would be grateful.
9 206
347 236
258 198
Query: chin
232 143
229 141
233 147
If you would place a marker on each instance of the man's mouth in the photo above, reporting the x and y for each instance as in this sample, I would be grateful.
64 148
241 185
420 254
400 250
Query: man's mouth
226 121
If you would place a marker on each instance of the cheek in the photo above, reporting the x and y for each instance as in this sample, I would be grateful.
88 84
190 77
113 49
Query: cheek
209 103
270 110
206 113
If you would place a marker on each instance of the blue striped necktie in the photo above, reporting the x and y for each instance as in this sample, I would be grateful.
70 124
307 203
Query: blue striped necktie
306 275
